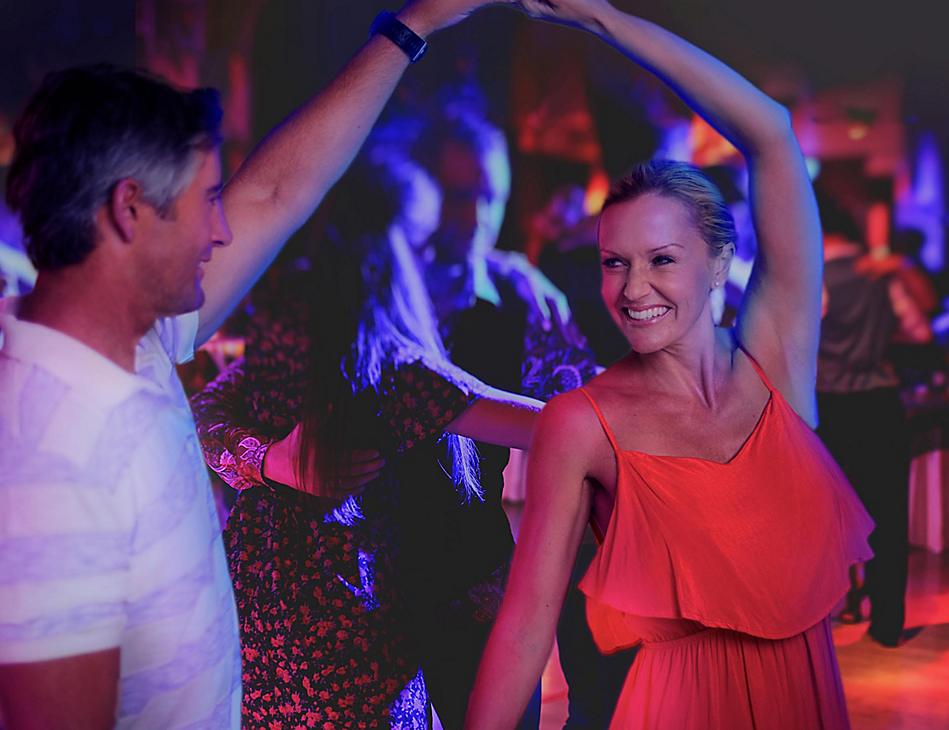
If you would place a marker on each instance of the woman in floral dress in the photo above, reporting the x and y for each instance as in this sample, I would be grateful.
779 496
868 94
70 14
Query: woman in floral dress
346 358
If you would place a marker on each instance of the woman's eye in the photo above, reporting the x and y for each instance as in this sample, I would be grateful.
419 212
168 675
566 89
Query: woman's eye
611 263
662 260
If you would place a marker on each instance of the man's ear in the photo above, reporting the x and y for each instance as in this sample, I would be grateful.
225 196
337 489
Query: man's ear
124 208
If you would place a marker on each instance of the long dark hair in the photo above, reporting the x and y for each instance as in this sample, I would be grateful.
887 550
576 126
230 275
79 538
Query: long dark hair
370 314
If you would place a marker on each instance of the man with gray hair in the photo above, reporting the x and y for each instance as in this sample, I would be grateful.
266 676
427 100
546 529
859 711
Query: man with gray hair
115 603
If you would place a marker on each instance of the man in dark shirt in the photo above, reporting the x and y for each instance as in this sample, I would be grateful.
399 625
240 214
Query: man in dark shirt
504 322
861 415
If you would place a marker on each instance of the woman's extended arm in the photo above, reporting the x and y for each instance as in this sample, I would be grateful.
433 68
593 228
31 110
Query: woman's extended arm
498 417
555 515
779 322
242 454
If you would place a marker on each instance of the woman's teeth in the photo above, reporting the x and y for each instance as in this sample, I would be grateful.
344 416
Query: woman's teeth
646 314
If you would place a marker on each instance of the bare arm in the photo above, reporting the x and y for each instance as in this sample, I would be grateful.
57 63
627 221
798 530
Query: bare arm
500 418
243 455
76 693
282 464
284 179
555 515
780 318
914 327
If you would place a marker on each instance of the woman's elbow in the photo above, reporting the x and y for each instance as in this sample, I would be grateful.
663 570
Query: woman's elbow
775 132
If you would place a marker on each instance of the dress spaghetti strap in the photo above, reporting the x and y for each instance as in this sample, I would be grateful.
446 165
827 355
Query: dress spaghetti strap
758 369
603 423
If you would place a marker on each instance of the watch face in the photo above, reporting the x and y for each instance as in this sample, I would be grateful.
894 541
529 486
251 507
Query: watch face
388 25
419 53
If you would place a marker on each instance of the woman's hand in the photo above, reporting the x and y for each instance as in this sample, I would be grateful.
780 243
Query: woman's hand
549 303
427 16
583 13
281 464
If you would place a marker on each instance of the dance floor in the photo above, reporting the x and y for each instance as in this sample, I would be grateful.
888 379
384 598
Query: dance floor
906 688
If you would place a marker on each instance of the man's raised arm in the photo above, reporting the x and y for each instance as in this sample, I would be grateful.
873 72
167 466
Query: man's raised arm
286 176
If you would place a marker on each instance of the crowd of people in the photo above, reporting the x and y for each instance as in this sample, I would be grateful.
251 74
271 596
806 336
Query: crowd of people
686 533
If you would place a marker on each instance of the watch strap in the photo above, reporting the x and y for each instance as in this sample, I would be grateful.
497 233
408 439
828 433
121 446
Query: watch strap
386 24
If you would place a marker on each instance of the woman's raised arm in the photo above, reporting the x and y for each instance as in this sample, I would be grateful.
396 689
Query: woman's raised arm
780 318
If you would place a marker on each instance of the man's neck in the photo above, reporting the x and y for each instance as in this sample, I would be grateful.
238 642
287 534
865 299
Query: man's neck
457 288
94 313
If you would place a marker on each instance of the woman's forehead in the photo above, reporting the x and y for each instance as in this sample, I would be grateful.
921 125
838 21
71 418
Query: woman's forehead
647 221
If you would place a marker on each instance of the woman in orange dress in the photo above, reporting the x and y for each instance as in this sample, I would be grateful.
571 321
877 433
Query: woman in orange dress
726 528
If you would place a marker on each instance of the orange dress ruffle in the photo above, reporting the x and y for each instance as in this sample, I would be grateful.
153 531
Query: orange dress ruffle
726 573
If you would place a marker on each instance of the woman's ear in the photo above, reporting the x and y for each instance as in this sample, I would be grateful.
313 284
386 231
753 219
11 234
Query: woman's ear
722 263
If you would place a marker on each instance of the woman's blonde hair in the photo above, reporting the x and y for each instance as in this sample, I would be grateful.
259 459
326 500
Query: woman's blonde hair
687 184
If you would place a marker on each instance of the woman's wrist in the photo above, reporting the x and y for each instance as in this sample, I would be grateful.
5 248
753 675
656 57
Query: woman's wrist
275 464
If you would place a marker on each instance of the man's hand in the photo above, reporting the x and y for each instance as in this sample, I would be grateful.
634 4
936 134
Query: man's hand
281 465
876 267
427 16
535 288
279 185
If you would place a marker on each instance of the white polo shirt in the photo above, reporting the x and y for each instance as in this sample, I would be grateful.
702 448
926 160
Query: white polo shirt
108 531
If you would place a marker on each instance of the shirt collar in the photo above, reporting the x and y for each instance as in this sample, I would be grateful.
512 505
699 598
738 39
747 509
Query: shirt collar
66 357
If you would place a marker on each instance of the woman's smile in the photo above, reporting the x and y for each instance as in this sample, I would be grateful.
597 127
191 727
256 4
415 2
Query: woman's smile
640 316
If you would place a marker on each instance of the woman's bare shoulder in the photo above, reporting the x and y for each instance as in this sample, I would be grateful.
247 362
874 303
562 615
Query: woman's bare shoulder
569 419
569 442
568 412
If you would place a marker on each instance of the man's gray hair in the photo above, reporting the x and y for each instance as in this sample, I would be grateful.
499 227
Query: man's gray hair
85 130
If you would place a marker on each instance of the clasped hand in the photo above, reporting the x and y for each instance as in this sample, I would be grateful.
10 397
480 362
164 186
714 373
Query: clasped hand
281 464
571 12
583 13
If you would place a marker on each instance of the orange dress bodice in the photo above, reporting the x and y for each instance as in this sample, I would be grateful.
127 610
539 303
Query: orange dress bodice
724 556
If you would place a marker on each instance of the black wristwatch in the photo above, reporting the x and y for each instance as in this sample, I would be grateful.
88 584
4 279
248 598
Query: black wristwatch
386 24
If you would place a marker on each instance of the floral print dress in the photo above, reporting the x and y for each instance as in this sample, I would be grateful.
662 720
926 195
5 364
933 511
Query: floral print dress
321 618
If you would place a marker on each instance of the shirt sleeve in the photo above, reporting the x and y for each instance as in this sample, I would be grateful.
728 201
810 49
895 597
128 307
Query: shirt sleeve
177 336
64 566
421 397
232 449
